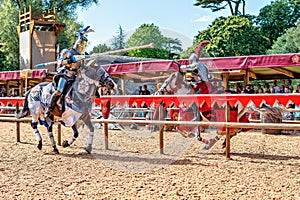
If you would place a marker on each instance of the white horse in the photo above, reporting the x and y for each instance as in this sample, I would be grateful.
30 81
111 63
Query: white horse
74 108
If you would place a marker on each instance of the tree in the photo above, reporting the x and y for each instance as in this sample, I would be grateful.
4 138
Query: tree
9 43
288 42
118 42
217 5
233 36
274 19
100 48
149 33
174 46
9 19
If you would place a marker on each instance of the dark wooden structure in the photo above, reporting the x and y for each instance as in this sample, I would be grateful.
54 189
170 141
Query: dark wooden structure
38 33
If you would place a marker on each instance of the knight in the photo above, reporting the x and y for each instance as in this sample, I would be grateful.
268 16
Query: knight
197 72
67 67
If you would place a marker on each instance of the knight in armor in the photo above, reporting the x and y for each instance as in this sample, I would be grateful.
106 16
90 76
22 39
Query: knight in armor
67 67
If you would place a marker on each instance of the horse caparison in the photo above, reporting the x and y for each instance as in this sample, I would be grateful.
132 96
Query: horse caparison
77 105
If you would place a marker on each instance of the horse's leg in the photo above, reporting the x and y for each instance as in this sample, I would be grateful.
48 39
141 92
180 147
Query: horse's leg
52 140
89 123
201 139
37 134
70 141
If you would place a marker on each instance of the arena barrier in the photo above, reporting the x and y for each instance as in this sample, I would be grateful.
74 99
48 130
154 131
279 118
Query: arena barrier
226 125
230 100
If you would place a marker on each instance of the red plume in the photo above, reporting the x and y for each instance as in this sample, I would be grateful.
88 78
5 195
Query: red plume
200 47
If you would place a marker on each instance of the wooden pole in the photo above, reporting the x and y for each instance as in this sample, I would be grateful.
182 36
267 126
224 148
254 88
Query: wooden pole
59 134
161 140
161 131
106 135
18 124
227 131
227 113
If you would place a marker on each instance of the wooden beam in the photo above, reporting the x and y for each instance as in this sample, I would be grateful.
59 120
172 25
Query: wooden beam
284 71
246 78
252 74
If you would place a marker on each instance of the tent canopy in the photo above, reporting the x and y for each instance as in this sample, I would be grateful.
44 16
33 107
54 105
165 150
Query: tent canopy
279 66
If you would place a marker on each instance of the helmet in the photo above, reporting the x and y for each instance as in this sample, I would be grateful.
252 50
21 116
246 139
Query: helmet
193 59
80 44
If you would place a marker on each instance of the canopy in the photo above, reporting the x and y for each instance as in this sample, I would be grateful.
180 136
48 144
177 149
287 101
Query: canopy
16 75
278 66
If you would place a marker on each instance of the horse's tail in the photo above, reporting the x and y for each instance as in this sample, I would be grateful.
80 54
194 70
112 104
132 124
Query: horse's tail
24 112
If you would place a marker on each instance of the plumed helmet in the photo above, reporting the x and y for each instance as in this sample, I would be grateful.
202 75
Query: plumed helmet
80 44
193 59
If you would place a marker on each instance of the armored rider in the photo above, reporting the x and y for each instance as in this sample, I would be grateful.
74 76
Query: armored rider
67 67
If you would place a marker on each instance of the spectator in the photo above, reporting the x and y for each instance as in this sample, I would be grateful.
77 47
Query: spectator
142 113
297 89
249 89
259 89
287 90
267 88
276 88
281 89
283 83
145 91
3 91
140 90
14 93
238 88
289 85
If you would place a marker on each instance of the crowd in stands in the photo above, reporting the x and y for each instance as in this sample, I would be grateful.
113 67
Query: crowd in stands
12 93
283 87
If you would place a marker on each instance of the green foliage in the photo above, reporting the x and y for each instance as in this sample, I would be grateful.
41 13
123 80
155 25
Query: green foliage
217 5
9 43
149 33
70 33
100 48
118 42
149 53
9 19
274 19
288 42
233 36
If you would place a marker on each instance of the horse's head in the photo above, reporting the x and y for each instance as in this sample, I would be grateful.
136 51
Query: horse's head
104 78
175 84
99 76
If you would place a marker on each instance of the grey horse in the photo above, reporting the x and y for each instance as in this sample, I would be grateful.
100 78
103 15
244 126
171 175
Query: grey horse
73 109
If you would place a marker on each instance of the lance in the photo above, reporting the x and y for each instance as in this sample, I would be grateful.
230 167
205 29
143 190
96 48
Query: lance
88 57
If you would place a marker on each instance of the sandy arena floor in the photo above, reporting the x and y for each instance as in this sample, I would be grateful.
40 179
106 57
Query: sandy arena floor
262 167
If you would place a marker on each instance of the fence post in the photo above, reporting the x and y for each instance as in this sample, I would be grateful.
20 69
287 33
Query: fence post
59 134
18 124
105 106
227 111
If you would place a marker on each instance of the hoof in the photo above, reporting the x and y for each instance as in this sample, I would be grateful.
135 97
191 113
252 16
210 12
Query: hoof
39 145
89 149
55 150
191 135
65 143
210 144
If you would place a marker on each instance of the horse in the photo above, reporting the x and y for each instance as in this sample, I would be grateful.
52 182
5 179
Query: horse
73 108
178 84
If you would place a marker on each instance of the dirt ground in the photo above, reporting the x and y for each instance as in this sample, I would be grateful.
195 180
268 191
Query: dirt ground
262 167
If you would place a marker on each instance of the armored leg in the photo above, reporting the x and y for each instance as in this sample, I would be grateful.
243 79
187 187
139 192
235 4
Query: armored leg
54 98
